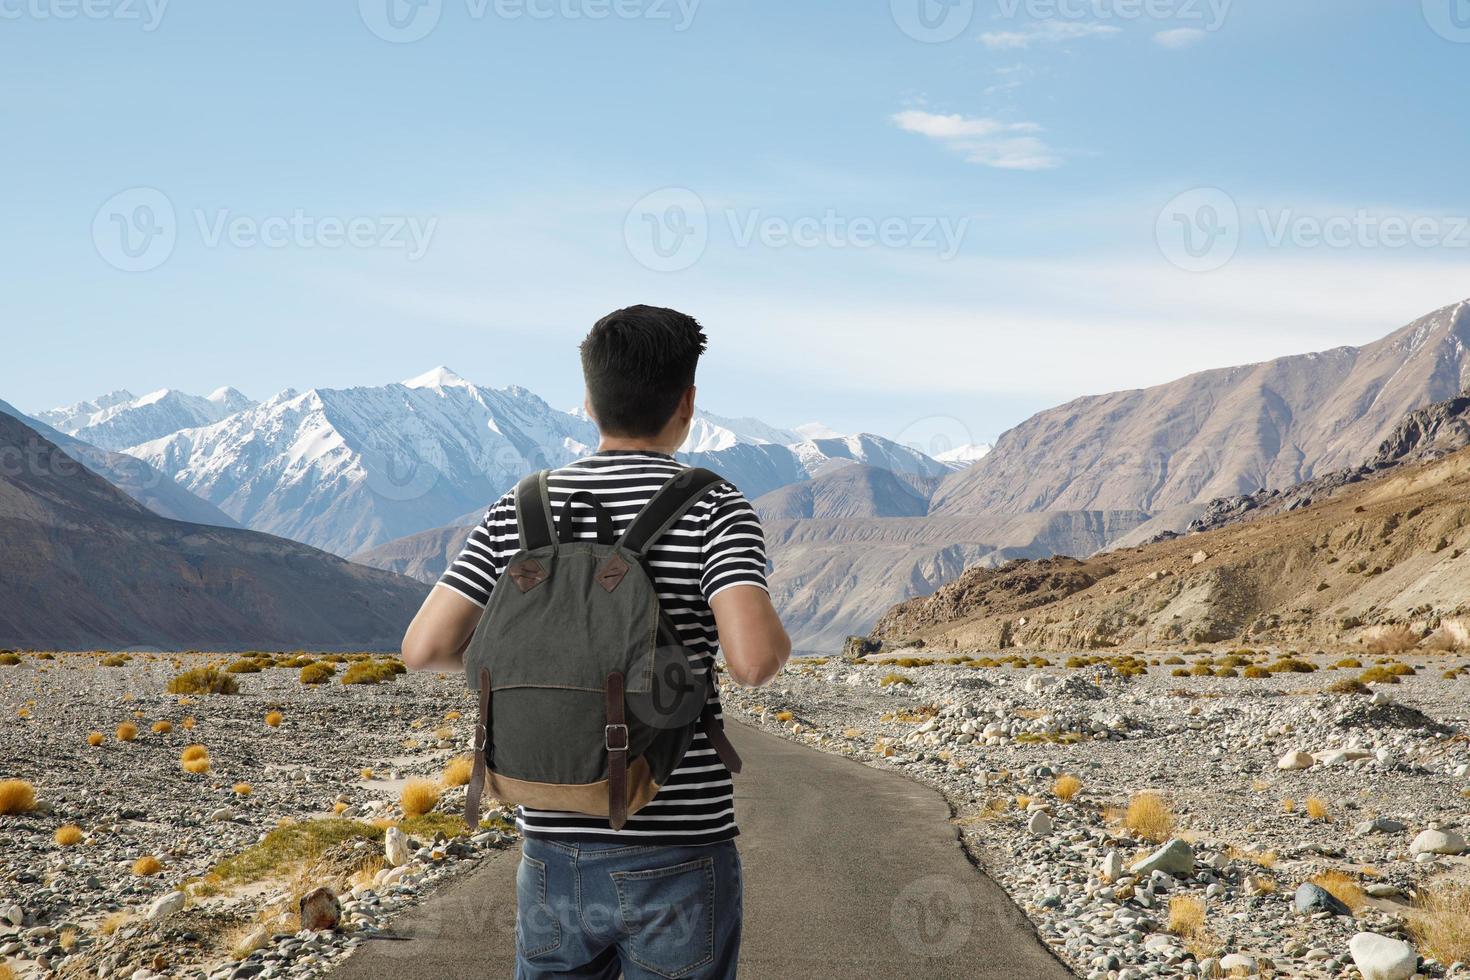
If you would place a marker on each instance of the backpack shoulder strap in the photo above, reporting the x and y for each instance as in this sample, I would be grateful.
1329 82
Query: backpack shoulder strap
533 512
670 503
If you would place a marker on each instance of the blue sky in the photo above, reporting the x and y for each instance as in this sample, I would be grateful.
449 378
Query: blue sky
880 222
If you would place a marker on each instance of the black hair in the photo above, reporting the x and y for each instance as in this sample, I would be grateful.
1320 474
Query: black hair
638 362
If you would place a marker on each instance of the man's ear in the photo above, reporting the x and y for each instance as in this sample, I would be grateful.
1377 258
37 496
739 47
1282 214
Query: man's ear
587 407
686 404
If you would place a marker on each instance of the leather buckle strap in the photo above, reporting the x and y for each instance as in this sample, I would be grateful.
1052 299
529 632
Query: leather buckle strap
617 755
476 787
607 738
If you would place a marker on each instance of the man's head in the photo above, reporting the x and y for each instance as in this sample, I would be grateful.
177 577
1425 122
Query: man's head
639 364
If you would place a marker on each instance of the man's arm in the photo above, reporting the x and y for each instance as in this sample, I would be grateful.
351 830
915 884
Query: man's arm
438 635
751 635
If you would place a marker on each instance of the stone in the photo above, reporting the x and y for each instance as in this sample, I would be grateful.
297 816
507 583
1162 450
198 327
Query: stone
395 848
1312 898
166 905
1382 958
12 915
1296 759
1040 824
1174 858
256 939
1438 842
1112 867
1237 961
1199 557
223 815
320 910
1379 825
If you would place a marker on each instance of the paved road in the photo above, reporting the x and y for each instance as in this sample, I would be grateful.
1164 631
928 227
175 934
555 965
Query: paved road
850 872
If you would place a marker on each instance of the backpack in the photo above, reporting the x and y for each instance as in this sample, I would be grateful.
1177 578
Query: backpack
588 699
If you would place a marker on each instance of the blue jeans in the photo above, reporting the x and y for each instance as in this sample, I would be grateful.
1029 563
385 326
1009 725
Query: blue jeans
598 910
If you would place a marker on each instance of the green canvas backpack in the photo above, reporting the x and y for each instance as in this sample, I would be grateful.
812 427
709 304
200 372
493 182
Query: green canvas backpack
587 697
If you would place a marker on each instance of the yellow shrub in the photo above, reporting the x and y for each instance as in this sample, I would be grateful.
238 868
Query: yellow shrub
1317 809
95 739
244 789
274 718
69 835
419 796
457 773
197 766
127 731
188 724
1186 916
1149 817
193 752
1344 888
162 727
1066 787
1441 923
147 865
204 680
366 773
16 796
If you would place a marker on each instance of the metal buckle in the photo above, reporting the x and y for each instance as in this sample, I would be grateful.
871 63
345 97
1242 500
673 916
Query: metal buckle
607 735
481 737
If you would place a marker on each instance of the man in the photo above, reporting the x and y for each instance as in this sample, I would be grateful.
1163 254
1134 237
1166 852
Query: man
662 896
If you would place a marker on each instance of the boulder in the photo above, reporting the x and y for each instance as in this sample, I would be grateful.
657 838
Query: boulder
166 905
395 848
1232 962
320 909
1381 958
1314 898
1112 867
1174 858
1438 842
1040 824
1295 759
1379 825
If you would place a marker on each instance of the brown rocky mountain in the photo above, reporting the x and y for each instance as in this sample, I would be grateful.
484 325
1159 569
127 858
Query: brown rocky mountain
422 556
851 491
1394 549
1218 433
84 565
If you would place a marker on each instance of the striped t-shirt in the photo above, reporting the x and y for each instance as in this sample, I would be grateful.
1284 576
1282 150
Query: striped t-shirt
717 544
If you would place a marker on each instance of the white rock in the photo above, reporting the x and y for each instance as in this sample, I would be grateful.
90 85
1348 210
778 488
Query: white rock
395 847
1237 961
166 905
1381 958
1438 842
1112 866
1040 824
1295 759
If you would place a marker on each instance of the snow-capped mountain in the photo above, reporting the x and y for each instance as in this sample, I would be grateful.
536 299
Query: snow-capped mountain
347 469
712 433
961 457
120 419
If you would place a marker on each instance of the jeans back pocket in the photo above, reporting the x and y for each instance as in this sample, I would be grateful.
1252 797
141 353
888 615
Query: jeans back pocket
538 930
669 915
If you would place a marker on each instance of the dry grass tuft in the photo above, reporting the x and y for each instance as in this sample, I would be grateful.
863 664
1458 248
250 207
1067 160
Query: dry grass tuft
1342 887
1441 923
196 766
95 739
1383 640
1317 810
1149 817
162 727
273 719
188 724
193 752
1186 916
1288 805
457 773
366 773
127 731
204 680
68 836
16 796
113 923
452 716
317 673
146 866
1066 787
244 789
419 796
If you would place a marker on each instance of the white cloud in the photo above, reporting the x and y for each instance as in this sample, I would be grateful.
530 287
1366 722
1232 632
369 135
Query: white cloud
1180 37
983 140
1045 32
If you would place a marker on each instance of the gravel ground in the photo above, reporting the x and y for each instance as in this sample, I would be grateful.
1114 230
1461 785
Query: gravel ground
1389 765
134 799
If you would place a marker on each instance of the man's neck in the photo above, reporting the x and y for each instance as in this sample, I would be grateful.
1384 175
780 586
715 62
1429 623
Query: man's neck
621 445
